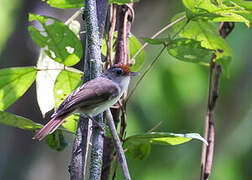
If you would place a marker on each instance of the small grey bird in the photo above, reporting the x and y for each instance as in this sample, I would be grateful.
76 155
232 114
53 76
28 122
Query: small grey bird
92 98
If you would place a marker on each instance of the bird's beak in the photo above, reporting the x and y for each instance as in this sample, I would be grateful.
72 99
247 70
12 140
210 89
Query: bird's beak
133 73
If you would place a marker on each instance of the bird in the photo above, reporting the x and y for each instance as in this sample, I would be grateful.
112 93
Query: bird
92 98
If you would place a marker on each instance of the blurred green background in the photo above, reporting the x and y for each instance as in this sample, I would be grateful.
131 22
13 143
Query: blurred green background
173 92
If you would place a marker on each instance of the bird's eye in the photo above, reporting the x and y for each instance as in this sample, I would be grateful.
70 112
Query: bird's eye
119 71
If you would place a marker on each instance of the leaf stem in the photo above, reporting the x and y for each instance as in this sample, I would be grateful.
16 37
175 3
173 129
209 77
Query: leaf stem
158 33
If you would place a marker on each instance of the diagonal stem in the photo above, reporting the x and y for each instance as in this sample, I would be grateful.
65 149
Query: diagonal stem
118 145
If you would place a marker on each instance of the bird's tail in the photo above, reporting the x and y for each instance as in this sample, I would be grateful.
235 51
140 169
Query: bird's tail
49 128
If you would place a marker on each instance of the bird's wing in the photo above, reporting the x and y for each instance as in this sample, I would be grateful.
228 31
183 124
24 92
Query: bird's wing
89 95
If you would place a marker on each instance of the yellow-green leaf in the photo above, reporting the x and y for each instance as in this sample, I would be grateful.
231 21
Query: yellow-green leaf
58 41
14 82
18 121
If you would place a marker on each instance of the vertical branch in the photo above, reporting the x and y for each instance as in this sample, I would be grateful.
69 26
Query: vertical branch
93 63
112 24
125 18
126 14
77 166
224 29
211 139
94 18
208 114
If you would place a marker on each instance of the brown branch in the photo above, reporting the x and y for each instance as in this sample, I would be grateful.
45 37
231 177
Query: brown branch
123 31
123 119
113 11
210 148
225 28
109 148
206 128
126 14
118 145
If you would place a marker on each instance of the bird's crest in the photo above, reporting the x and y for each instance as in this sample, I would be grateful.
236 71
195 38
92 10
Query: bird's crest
124 67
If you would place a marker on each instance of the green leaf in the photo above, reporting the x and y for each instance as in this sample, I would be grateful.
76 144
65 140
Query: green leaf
66 3
121 2
134 46
65 84
245 4
156 40
139 145
199 9
189 50
45 80
58 41
18 121
56 140
14 82
138 151
206 33
165 138
80 3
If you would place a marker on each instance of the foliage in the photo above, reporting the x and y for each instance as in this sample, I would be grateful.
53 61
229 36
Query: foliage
194 39
139 146
58 41
14 82
64 4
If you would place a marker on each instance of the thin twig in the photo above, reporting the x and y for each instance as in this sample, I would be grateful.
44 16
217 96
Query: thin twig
74 16
225 28
165 45
118 146
123 118
211 139
208 114
155 127
158 33
147 70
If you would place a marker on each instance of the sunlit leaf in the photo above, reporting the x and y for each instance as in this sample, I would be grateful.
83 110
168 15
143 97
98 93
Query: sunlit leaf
207 35
139 145
58 41
218 13
80 3
65 84
45 80
56 140
121 2
245 4
165 138
18 121
14 82
66 3
189 50
134 46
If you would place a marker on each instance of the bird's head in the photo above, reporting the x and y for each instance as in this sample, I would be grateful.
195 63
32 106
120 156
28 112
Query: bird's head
119 73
